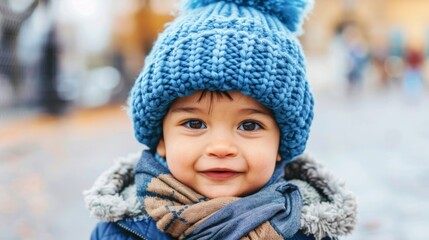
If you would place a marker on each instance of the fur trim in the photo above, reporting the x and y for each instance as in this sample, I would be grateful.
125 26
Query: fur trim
328 208
112 197
334 213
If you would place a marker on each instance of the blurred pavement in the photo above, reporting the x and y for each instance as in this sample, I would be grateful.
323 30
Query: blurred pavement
376 142
46 163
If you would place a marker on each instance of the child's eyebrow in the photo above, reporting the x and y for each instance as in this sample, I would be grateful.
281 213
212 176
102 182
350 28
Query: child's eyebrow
244 110
257 111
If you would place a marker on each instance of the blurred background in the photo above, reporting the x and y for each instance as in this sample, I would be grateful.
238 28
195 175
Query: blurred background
66 68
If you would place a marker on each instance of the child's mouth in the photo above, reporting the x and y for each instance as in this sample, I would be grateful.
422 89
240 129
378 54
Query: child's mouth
220 174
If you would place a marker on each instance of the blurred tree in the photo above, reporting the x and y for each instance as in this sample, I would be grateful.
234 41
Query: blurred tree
10 24
134 32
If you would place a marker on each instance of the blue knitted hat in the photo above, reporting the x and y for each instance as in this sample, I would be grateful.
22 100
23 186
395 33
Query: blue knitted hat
248 46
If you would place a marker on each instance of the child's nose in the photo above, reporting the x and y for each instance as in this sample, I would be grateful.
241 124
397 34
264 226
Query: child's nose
222 147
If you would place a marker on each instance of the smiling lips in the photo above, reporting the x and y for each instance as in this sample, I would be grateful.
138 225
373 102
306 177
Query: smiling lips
220 174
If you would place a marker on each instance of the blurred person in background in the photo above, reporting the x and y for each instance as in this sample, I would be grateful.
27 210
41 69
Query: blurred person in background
356 55
50 98
350 55
339 56
379 55
224 108
413 75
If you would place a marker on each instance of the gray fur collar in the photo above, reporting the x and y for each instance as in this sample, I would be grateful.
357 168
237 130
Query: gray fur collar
329 209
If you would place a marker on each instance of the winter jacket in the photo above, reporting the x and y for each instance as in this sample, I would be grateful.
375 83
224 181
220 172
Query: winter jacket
329 210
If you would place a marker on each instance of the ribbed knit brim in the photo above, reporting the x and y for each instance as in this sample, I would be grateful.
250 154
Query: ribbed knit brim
226 47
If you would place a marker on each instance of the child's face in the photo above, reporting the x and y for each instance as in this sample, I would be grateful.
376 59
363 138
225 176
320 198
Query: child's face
220 148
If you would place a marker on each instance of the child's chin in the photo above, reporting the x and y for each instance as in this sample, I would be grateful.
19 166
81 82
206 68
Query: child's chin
212 194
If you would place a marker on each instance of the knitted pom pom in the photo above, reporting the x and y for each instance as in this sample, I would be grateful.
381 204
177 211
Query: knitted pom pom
290 12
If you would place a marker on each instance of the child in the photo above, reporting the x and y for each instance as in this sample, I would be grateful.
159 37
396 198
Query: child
224 107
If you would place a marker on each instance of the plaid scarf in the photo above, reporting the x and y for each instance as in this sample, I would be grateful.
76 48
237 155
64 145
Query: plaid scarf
271 213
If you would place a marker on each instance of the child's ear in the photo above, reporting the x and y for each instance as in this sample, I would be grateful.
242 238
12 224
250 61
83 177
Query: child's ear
160 149
279 158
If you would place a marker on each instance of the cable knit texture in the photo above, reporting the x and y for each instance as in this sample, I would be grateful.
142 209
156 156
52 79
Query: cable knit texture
243 45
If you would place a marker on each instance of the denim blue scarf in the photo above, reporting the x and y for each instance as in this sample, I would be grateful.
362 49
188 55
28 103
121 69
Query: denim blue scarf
271 213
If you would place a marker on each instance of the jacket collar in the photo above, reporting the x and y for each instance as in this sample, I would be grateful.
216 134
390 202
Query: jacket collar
328 210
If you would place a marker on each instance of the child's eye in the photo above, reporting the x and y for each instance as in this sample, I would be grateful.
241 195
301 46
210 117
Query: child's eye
249 126
194 124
